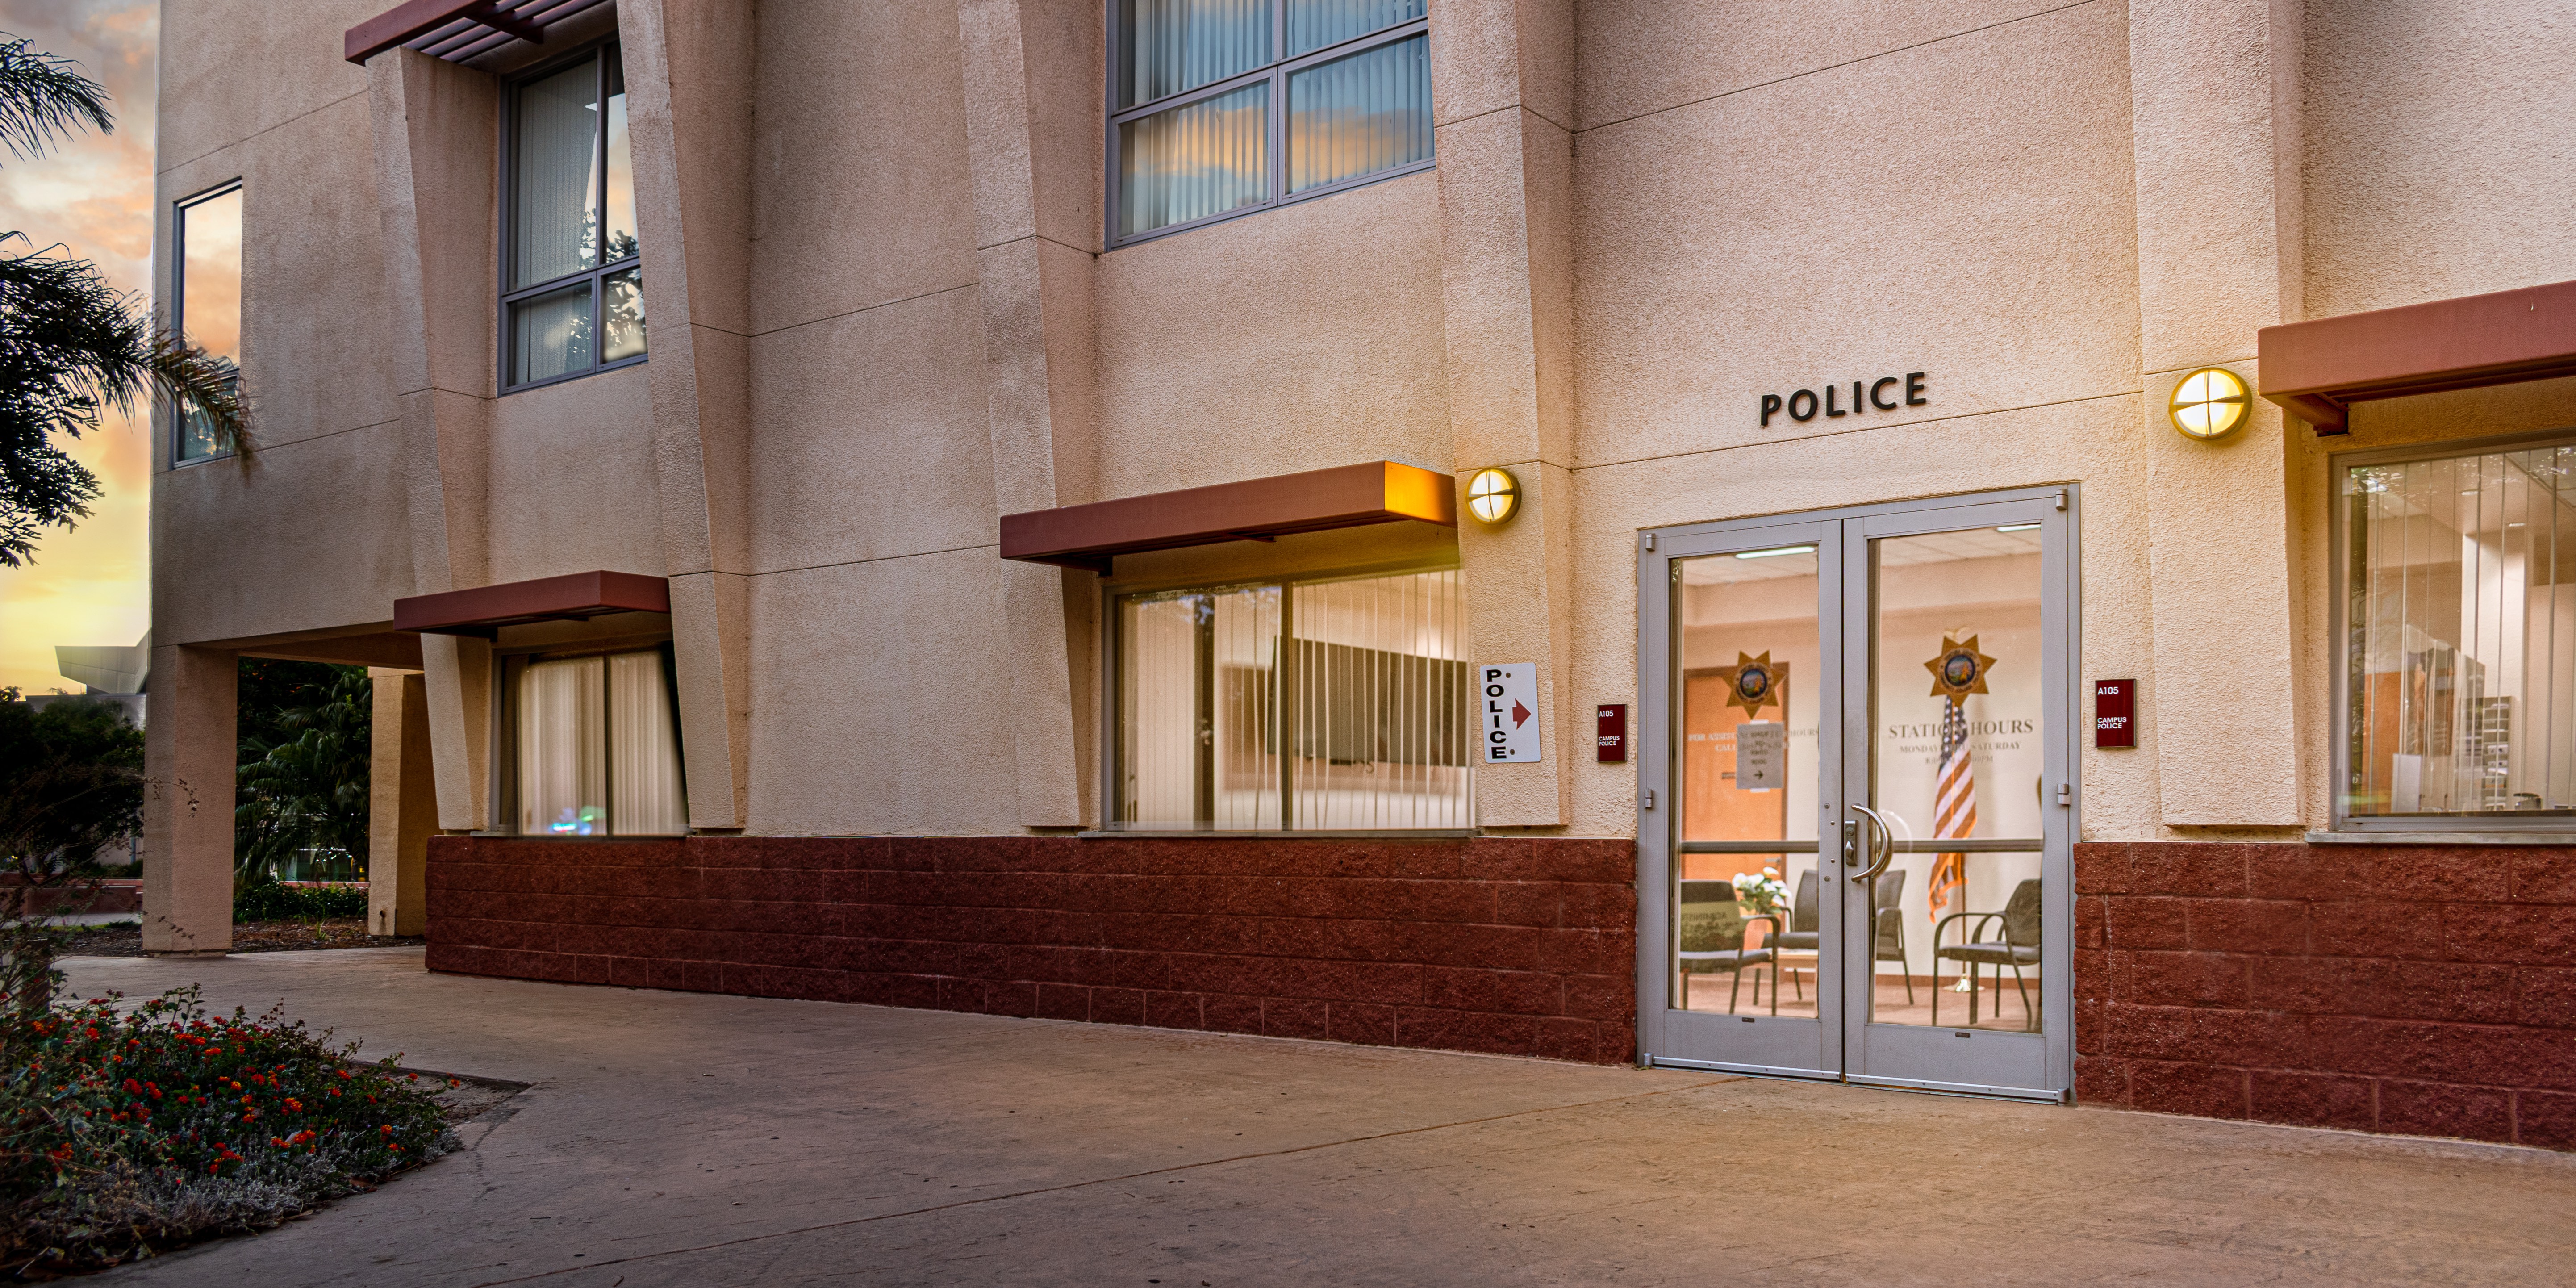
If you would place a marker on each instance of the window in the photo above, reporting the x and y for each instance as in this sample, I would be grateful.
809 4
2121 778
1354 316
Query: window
595 745
2460 639
572 289
1363 676
1225 106
205 304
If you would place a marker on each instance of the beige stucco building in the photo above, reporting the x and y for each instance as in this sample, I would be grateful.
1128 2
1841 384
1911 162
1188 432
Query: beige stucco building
868 634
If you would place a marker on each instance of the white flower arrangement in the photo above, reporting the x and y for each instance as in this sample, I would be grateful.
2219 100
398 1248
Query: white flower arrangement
1765 893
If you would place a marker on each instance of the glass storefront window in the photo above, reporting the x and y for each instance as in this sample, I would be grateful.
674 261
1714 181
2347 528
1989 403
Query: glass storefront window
1295 706
2460 638
596 747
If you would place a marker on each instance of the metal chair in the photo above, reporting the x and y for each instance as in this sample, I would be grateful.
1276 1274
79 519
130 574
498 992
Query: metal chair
1802 934
2018 948
1734 961
1890 942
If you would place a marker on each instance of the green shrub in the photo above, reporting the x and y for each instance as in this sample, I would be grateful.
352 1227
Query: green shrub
271 901
127 1131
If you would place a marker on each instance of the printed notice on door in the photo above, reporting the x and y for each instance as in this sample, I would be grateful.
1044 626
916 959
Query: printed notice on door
1761 756
1508 694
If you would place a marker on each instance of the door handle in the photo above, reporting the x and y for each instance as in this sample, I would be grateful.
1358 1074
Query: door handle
1883 846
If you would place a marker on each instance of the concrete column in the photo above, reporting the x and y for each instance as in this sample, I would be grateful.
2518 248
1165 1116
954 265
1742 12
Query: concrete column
189 749
1032 149
402 806
688 87
2215 93
1501 97
458 681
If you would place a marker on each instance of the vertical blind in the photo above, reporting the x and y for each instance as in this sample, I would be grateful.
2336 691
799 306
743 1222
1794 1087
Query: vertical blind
1287 101
1359 115
575 298
1300 706
2461 635
598 751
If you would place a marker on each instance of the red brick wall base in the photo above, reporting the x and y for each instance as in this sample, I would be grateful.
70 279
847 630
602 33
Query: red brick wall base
1516 946
2420 990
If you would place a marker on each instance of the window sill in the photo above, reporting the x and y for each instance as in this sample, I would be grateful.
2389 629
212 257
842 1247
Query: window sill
1423 834
2567 838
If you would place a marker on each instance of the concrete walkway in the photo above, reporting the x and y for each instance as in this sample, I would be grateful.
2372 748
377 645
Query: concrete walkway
682 1139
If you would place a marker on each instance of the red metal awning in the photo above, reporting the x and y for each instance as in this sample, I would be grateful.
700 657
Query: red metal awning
1349 496
457 29
2316 370
483 610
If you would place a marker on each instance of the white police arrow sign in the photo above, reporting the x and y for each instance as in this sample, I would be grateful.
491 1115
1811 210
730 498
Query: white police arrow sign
1508 697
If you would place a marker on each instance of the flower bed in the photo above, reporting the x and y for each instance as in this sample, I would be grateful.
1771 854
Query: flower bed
129 1130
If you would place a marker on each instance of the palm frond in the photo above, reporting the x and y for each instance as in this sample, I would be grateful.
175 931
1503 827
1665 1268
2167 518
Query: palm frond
42 97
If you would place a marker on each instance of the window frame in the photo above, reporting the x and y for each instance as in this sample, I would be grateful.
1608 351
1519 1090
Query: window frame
1275 142
2340 549
508 663
508 238
1112 657
179 304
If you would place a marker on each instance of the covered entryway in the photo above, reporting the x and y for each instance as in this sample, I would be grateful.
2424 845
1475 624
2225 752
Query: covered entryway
1857 794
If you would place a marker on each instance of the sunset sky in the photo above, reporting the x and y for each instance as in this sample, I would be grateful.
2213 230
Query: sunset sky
94 197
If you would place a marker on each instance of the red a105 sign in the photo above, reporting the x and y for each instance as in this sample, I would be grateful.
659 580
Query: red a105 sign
2115 713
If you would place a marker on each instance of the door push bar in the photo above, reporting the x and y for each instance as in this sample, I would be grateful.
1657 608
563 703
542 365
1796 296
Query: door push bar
1882 847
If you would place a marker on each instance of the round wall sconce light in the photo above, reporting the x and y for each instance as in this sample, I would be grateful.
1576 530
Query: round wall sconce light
1493 495
2210 404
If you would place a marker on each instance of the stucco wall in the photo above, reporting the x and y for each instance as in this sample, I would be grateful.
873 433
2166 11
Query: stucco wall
2437 157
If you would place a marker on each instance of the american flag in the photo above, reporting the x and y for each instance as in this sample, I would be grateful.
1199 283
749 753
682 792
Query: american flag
1954 811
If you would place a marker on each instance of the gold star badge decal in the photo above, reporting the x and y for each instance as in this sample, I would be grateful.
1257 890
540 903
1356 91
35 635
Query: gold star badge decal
1959 671
1754 682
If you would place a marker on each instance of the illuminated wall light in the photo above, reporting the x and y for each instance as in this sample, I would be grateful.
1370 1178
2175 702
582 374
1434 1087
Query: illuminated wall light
2210 404
1493 496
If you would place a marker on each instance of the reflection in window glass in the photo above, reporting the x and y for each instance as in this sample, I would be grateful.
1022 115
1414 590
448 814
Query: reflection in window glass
1191 162
1359 115
1172 46
598 748
1325 705
2461 637
575 300
1357 105
208 312
550 334
1313 24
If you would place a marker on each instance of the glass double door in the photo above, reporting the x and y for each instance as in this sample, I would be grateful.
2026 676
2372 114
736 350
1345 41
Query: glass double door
1857 797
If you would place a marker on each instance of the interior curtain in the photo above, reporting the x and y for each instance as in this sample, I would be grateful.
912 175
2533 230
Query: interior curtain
644 750
1313 24
563 773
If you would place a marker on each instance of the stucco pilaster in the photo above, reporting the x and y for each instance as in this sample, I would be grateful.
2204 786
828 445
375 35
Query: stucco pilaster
689 66
402 811
1500 77
1034 252
189 752
457 673
2214 93
433 124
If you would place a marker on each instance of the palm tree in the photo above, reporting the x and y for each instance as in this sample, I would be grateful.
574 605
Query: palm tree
71 345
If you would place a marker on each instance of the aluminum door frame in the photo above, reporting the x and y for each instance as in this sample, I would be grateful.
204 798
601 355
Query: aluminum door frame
1658 815
1774 1046
2003 1063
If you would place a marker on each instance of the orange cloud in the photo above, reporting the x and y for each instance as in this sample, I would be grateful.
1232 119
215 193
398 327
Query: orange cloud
92 196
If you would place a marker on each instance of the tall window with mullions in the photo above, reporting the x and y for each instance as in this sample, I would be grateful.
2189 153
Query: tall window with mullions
572 288
1226 106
